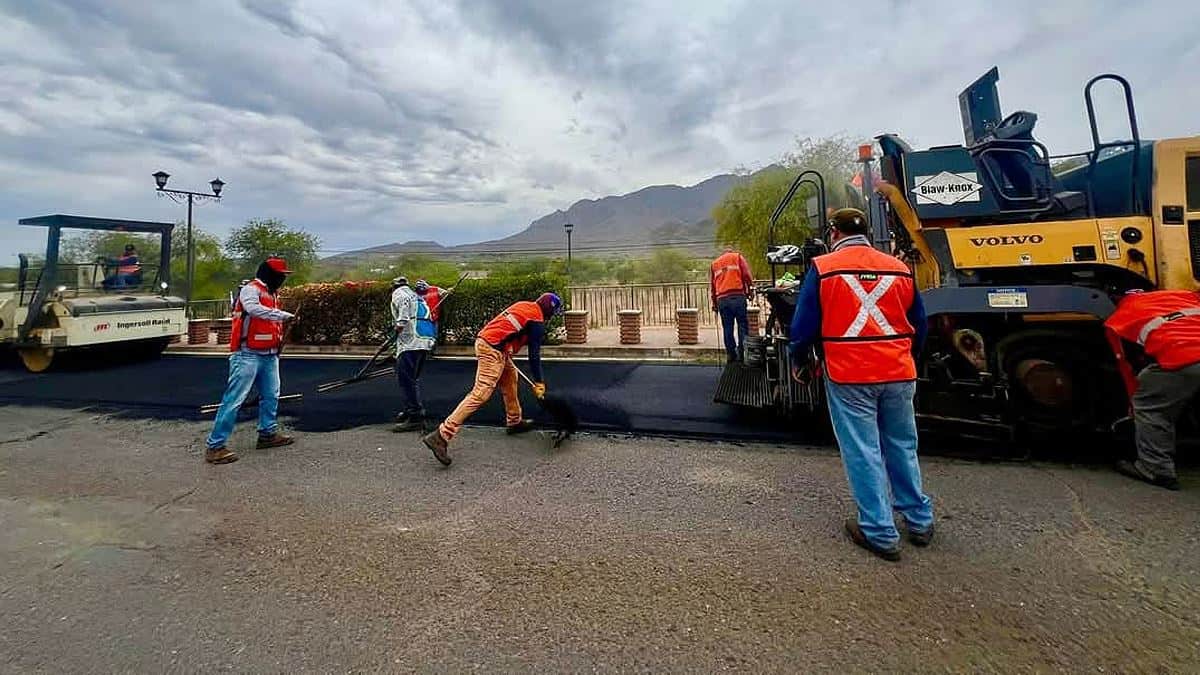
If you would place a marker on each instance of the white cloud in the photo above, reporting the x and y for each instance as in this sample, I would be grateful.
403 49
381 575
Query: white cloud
376 122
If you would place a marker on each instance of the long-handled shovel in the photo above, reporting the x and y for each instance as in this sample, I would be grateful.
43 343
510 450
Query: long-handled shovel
210 408
559 410
367 372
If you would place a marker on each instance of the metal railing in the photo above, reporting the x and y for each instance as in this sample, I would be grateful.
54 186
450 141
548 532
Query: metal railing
658 302
209 309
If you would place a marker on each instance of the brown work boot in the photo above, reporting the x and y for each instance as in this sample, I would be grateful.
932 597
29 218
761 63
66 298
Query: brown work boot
860 539
274 441
441 449
220 456
519 428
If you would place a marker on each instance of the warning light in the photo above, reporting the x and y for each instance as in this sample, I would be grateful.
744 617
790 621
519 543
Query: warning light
865 152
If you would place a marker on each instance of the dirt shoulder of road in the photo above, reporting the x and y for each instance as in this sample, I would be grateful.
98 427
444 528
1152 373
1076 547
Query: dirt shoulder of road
354 551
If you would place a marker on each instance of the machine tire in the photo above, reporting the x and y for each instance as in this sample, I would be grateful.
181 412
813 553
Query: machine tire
1048 354
36 359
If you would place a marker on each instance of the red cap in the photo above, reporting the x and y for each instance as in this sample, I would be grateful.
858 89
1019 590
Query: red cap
278 264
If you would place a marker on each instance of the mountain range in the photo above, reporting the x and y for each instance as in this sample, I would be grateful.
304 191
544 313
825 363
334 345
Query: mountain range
651 216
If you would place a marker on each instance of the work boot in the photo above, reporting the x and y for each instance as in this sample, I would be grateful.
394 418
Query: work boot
220 456
275 440
434 441
920 538
1133 470
857 536
409 423
519 428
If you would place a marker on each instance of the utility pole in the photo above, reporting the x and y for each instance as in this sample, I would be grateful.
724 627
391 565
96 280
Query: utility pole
568 227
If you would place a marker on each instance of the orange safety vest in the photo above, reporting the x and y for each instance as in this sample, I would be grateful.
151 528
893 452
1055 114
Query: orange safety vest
727 274
508 331
125 267
1165 323
433 298
256 333
865 334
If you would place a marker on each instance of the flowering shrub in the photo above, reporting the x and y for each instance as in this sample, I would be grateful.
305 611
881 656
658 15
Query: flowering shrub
353 312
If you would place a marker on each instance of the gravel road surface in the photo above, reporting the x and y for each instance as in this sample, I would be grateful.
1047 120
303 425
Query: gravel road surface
120 550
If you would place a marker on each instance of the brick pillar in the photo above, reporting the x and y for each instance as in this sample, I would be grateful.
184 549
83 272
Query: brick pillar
576 321
630 321
755 315
687 325
175 339
224 331
198 332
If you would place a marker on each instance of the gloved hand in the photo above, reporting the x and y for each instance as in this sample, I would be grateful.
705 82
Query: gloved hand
539 389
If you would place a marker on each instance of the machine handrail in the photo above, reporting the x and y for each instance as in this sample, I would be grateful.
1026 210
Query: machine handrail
1098 146
819 184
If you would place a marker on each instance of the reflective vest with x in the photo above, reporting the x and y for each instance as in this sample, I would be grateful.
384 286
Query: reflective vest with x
865 296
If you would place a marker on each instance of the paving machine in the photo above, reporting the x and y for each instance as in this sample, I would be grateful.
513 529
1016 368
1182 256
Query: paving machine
58 307
1020 255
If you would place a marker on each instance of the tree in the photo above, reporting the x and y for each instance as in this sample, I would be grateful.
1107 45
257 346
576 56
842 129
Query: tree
259 239
834 157
743 215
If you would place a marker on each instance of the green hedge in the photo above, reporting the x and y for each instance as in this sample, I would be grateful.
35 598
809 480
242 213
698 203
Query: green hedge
360 312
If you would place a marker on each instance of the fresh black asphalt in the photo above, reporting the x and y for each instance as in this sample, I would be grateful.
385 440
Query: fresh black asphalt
645 398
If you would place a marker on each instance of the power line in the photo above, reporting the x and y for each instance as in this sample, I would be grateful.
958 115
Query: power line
554 249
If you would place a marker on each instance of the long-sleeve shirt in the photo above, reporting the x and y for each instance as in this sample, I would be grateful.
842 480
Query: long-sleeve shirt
536 333
251 305
806 322
404 318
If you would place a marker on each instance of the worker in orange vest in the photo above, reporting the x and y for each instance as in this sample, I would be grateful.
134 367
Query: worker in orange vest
128 270
1162 332
862 309
255 342
522 324
730 283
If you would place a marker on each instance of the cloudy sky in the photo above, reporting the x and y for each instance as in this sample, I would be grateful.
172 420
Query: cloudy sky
370 121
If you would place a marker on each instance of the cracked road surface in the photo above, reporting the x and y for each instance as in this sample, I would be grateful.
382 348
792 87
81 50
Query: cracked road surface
120 550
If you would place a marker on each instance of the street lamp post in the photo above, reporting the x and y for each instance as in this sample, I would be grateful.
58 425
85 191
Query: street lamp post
216 185
568 227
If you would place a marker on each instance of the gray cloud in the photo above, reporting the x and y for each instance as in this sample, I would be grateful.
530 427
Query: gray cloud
455 121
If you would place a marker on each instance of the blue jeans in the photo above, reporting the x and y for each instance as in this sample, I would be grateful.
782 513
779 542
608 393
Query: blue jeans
733 308
876 429
408 371
248 369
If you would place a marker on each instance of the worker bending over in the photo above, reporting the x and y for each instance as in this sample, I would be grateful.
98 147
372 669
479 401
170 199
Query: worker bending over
862 308
415 335
257 337
730 283
1162 329
523 323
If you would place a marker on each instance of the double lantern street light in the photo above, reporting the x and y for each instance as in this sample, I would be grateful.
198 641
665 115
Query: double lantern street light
216 184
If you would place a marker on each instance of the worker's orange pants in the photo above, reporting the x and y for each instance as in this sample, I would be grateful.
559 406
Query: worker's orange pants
494 368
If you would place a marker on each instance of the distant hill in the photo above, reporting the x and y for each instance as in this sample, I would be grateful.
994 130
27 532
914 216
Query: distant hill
659 214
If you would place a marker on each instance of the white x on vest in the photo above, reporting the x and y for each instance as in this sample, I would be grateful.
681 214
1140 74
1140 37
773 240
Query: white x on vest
1159 321
868 309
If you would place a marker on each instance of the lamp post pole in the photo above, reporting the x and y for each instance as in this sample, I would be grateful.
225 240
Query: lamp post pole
568 227
215 185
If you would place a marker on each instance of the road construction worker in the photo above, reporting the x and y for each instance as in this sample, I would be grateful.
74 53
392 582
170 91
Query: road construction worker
861 308
730 283
1162 330
128 270
522 324
255 344
415 335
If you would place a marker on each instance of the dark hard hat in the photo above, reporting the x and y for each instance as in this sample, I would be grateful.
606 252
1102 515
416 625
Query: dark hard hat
130 247
851 221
